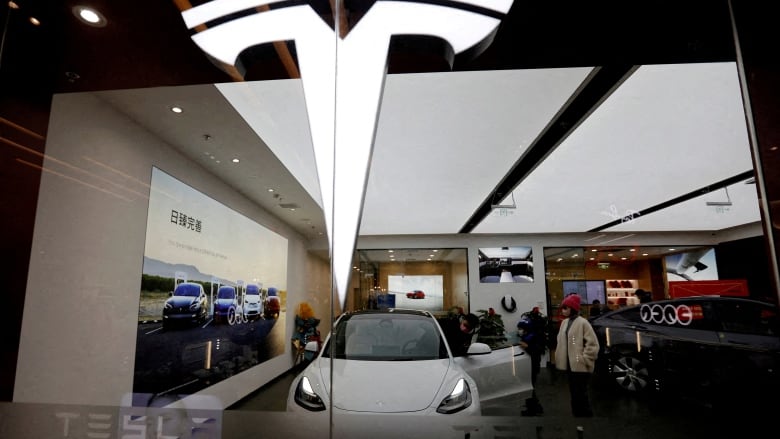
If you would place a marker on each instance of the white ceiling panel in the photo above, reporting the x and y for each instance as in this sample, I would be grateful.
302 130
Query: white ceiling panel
697 215
445 140
667 131
276 111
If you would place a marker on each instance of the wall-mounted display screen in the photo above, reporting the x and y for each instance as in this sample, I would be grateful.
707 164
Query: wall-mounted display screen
692 265
588 290
205 310
506 264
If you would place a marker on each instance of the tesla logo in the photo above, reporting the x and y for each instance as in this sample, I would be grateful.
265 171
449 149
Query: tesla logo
342 78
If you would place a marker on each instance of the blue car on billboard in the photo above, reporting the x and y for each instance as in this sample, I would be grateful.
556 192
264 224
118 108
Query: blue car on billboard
225 304
188 304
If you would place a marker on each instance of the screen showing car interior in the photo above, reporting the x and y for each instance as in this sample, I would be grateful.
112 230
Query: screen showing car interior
196 323
506 264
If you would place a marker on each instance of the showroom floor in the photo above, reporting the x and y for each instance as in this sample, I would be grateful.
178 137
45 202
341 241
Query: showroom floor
616 414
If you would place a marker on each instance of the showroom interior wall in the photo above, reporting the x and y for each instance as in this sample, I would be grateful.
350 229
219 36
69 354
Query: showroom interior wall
528 295
81 307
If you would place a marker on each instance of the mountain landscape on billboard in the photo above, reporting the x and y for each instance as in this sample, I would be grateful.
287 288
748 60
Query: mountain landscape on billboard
155 267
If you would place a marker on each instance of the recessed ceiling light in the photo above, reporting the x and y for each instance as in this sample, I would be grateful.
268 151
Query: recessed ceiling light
89 16
644 254
13 5
672 249
236 160
270 189
35 21
176 109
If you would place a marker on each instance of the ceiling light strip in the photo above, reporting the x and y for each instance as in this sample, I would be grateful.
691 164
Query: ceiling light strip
595 89
682 198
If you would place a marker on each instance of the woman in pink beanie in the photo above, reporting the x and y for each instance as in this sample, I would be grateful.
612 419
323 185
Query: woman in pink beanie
576 353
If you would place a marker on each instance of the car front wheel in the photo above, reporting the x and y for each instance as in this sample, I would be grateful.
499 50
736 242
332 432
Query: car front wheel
630 373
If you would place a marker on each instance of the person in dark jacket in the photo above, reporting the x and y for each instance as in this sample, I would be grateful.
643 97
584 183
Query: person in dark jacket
461 331
532 329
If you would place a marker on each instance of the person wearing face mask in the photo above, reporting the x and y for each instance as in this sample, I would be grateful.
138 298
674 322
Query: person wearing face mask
576 352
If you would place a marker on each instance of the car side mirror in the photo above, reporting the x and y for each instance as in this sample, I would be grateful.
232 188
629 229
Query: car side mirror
478 349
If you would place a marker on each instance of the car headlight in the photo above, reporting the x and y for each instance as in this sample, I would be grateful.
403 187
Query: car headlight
194 306
168 305
306 397
457 400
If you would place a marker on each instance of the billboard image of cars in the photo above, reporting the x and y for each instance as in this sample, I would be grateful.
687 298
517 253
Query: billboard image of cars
198 322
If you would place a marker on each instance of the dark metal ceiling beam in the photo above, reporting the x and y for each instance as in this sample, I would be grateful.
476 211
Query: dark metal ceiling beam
685 197
599 85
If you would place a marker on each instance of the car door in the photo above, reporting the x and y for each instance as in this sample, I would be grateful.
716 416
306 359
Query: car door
685 345
749 334
504 372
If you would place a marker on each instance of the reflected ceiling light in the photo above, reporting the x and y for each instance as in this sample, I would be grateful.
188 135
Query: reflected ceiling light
342 149
89 16
34 21
236 160
270 189
13 5
632 250
177 110
644 254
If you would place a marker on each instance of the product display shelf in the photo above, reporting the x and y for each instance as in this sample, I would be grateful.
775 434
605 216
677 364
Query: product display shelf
620 292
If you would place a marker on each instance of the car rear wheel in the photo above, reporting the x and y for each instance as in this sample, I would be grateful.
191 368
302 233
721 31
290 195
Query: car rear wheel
630 374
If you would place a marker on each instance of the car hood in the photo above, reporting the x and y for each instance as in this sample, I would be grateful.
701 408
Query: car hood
384 386
181 300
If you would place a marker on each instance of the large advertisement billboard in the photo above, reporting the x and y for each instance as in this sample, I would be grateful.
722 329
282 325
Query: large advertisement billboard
210 296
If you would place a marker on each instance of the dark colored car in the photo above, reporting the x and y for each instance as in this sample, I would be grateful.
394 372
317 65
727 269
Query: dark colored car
416 294
225 304
272 305
710 349
188 304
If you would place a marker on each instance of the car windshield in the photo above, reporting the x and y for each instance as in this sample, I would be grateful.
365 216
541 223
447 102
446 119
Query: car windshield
252 290
226 293
387 337
189 290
